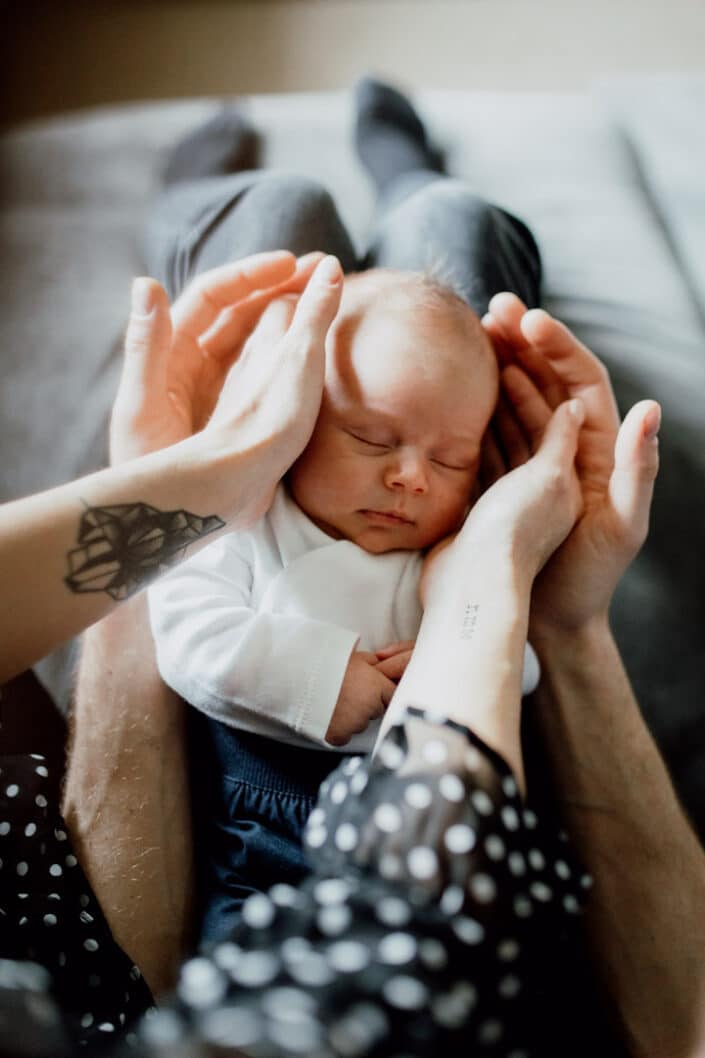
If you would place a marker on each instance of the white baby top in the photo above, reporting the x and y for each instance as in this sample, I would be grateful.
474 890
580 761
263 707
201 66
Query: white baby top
256 630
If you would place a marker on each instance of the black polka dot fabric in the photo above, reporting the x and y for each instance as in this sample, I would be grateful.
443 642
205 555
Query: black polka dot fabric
49 915
436 902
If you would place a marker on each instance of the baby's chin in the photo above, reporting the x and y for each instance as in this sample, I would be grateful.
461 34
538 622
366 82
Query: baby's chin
376 539
379 543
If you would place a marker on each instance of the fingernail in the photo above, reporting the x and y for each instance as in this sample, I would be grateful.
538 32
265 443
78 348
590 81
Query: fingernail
652 422
142 300
577 409
329 271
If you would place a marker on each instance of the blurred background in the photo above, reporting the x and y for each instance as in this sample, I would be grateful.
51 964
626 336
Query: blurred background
60 55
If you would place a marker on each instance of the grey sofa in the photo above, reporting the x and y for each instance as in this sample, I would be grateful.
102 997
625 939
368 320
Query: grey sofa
613 184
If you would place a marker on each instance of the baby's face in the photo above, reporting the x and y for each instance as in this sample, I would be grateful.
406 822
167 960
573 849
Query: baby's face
394 456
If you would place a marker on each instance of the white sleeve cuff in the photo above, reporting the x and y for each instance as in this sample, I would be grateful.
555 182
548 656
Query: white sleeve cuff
325 676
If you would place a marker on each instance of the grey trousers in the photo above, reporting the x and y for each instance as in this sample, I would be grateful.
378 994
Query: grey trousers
426 223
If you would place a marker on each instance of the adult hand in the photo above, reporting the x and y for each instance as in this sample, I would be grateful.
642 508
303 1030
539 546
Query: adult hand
522 518
178 361
543 364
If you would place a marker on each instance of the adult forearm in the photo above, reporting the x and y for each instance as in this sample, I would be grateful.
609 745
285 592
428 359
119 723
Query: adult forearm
646 917
126 798
468 658
70 555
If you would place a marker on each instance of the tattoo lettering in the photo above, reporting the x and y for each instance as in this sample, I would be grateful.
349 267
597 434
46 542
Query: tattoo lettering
124 546
467 629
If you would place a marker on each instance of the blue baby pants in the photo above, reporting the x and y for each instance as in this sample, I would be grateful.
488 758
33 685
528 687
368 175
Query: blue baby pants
252 797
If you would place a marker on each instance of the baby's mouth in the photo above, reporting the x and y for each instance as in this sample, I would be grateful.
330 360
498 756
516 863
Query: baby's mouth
387 517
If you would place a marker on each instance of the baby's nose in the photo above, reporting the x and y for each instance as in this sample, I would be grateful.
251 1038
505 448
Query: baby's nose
407 472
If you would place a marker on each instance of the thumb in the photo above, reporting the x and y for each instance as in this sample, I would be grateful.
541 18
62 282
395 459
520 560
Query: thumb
636 461
318 303
560 439
147 341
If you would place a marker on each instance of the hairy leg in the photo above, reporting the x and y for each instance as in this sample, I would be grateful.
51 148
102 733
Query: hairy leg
126 799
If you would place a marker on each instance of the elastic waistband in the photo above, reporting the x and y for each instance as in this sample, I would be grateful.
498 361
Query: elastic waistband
269 764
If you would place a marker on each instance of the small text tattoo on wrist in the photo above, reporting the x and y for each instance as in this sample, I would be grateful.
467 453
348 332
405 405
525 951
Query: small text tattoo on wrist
126 545
469 623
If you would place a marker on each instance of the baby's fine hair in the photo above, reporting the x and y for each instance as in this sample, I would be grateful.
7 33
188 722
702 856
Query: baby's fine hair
422 290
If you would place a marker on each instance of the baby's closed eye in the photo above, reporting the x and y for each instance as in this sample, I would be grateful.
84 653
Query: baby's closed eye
371 440
455 461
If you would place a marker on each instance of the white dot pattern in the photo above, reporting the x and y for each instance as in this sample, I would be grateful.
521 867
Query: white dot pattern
405 993
434 751
48 916
459 838
452 900
455 832
346 837
258 911
423 862
446 842
396 949
388 818
418 795
483 888
452 788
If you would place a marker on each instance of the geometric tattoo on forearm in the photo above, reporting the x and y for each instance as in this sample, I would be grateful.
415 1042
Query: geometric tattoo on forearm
124 546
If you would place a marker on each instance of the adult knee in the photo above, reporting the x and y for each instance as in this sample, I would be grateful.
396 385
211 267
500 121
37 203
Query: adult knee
445 204
297 213
435 229
465 242
460 215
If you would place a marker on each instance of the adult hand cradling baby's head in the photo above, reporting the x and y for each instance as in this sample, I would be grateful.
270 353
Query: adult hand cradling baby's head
191 375
525 515
177 360
544 364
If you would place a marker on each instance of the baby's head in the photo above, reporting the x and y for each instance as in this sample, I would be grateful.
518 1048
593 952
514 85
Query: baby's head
411 384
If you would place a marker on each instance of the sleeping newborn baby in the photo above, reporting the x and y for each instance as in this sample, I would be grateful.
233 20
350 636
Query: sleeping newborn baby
290 636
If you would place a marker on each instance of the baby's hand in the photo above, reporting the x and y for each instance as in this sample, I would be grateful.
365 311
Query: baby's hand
365 694
393 659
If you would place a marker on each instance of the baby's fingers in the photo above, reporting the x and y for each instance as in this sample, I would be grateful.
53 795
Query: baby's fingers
386 693
394 667
365 655
395 648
